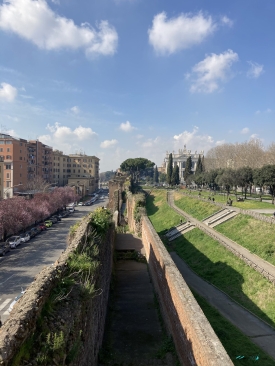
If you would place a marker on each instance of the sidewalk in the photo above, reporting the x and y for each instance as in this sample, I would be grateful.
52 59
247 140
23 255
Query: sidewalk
258 331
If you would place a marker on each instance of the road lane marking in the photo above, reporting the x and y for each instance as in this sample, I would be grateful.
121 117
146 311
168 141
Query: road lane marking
5 303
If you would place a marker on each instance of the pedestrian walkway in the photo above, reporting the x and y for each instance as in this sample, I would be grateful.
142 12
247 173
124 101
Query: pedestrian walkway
262 266
258 331
135 328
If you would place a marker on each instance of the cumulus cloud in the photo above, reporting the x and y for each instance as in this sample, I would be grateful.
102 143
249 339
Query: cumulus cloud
36 22
75 109
211 71
171 35
193 140
255 70
7 92
151 142
64 133
245 130
108 143
225 20
126 127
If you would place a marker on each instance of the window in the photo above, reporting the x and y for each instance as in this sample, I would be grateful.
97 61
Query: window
8 142
20 175
8 175
8 184
20 158
20 166
1 149
9 157
8 166
8 149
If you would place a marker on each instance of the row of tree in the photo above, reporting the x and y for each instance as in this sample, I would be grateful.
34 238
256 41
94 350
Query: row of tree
18 213
251 153
244 177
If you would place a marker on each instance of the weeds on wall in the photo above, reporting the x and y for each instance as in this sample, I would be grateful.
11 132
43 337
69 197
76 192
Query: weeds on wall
54 337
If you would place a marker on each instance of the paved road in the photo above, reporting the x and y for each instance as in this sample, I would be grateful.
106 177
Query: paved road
21 265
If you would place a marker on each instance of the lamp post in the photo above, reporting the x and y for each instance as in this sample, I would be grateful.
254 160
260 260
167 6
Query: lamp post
8 188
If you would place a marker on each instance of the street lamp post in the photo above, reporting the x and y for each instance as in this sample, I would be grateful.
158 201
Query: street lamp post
8 188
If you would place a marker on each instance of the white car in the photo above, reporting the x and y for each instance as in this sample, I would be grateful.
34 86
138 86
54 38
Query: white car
15 301
80 203
14 241
25 237
71 209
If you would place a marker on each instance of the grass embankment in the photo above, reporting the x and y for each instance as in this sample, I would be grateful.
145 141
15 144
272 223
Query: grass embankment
248 204
255 235
235 343
195 207
213 262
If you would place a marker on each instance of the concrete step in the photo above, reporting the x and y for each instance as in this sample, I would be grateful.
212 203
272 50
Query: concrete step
223 219
219 217
187 228
176 229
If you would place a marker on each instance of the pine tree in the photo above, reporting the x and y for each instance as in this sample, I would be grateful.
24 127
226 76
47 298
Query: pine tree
202 164
188 168
175 180
199 166
156 175
169 169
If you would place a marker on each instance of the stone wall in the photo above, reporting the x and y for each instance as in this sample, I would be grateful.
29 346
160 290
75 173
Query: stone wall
75 317
196 342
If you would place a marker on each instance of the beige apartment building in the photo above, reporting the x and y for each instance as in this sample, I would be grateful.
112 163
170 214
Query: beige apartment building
14 153
84 173
40 158
61 168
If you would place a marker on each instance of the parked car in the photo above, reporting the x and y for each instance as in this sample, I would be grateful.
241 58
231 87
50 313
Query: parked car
4 248
48 223
53 219
42 227
34 231
57 217
15 301
25 237
80 204
71 209
64 214
14 241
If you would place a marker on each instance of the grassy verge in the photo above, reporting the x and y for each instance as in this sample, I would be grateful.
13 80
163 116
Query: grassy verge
234 341
195 207
214 263
249 204
257 236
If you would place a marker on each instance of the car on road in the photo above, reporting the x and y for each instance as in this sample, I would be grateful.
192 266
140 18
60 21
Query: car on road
4 248
53 219
65 214
34 231
80 204
15 300
56 217
25 237
14 241
48 223
42 227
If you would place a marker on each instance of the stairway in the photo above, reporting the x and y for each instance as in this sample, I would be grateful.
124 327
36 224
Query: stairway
219 217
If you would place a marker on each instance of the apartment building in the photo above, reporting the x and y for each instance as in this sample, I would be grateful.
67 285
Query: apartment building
1 177
40 157
84 173
61 168
14 153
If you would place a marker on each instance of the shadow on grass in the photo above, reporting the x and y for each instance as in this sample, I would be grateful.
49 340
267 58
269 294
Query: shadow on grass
218 273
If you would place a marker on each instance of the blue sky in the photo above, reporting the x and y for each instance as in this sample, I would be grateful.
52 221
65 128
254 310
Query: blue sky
130 78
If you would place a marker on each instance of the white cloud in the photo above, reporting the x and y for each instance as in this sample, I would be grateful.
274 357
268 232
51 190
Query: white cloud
245 130
254 137
258 112
268 110
126 127
140 136
211 71
171 35
255 70
7 92
37 23
64 133
75 109
225 20
220 142
193 140
151 142
108 143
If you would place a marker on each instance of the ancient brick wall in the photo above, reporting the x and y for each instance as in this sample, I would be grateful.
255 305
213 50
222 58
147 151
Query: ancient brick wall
196 342
76 317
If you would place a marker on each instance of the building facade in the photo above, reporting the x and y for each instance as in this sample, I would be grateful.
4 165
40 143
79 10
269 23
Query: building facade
180 160
61 168
1 177
40 157
14 152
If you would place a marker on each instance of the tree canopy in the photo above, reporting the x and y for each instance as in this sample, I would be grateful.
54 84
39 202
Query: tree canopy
136 166
169 169
188 168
